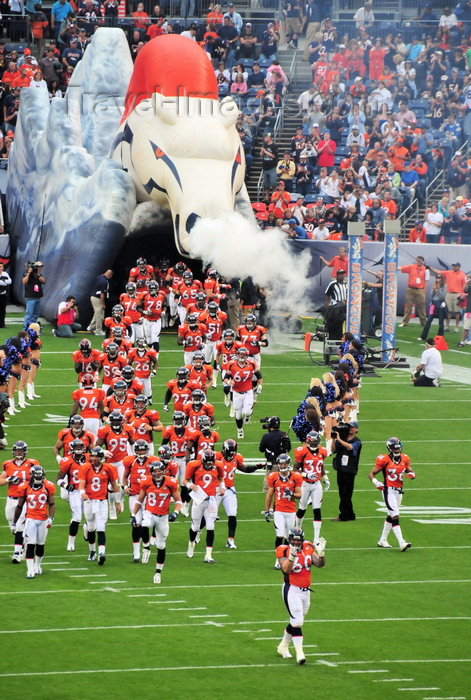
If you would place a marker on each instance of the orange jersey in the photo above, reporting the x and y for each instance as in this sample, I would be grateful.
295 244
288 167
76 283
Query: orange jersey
111 369
214 324
70 468
89 401
300 574
113 404
12 468
274 481
251 339
205 443
393 473
140 423
193 339
195 309
311 464
136 386
181 394
207 479
212 288
136 472
130 305
124 346
37 499
158 497
229 467
173 278
116 443
226 352
153 306
192 414
124 323
66 436
86 362
201 377
241 376
178 443
142 363
187 293
136 274
96 483
171 469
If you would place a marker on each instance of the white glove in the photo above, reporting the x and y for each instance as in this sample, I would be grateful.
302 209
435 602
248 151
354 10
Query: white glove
378 484
258 389
49 522
293 550
58 459
166 409
326 483
152 374
13 528
320 547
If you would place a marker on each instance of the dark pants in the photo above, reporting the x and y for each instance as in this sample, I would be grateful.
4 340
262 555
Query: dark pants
422 380
3 306
439 312
346 483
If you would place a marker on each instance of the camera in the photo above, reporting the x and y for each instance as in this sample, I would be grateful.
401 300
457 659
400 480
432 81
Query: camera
264 422
341 430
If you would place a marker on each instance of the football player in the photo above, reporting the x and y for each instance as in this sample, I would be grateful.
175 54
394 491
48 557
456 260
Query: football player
153 306
37 494
284 486
144 421
181 438
215 320
191 335
97 478
156 491
68 478
89 401
75 431
230 460
111 363
226 350
252 336
200 373
205 438
121 398
185 293
174 278
199 305
206 481
394 466
118 320
118 337
213 287
133 384
196 408
240 377
142 271
14 473
144 361
165 455
137 470
295 559
131 302
180 389
309 461
116 438
86 360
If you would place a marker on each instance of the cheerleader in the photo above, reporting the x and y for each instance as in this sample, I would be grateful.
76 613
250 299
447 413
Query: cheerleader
34 331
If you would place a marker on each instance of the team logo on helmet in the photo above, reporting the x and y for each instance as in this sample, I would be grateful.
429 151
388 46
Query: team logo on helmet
36 476
296 537
19 449
208 457
229 449
88 381
85 347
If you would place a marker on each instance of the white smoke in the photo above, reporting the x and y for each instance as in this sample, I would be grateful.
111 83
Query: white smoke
238 248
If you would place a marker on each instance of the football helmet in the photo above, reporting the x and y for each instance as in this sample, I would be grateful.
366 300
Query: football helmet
77 447
165 454
208 457
120 388
229 449
76 424
283 464
19 450
313 440
85 347
140 402
141 263
97 457
296 537
394 446
192 320
127 373
242 355
153 287
141 344
198 397
212 273
112 350
198 359
180 268
36 476
164 265
141 283
131 289
117 310
200 299
213 308
157 470
117 333
204 423
141 448
182 374
188 277
250 321
229 336
179 419
116 419
88 381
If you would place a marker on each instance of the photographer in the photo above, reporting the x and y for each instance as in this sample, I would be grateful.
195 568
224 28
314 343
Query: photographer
286 170
273 443
67 315
33 282
346 451
5 281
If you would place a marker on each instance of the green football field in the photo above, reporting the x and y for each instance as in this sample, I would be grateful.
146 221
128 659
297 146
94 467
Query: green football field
382 624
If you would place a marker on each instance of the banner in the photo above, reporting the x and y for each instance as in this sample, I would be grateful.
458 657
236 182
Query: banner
355 278
391 255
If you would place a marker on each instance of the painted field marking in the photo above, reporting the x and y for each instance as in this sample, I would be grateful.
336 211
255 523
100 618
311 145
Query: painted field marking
83 568
433 688
184 609
326 663
164 602
146 595
373 670
211 616
88 576
170 669
244 632
445 697
99 583
392 680
267 639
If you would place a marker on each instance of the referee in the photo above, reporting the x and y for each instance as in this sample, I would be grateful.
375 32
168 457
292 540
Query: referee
337 290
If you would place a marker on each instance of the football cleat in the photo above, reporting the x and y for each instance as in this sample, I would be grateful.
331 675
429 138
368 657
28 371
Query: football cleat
247 419
384 544
404 546
227 400
16 559
191 550
145 554
91 555
198 537
283 650
85 532
300 658
230 544
71 548
38 571
101 560
208 559
185 510
30 574
240 434
157 577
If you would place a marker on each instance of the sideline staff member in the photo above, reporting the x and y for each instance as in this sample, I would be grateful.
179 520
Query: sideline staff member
346 451
415 293
33 282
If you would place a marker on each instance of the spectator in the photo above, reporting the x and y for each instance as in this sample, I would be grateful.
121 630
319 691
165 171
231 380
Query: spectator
311 24
304 175
269 155
59 12
326 149
234 17
269 46
230 36
286 170
248 43
67 315
364 16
